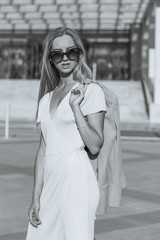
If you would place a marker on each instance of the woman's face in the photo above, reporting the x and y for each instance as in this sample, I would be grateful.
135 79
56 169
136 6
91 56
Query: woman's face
63 44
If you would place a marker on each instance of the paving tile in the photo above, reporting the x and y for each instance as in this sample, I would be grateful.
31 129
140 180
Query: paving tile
140 195
14 236
137 233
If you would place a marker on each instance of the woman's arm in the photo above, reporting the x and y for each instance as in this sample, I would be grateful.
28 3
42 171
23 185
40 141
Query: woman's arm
39 170
90 129
38 184
91 126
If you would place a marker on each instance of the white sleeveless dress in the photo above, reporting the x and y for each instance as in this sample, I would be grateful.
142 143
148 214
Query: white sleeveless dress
70 193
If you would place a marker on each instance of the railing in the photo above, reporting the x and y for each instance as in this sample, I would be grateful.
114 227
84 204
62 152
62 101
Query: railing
7 110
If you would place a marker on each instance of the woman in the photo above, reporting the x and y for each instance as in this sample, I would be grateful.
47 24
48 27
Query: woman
71 112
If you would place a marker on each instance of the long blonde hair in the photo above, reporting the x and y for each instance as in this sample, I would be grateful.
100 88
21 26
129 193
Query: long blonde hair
49 74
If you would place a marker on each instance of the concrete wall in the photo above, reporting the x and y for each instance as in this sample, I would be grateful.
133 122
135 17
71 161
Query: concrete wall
141 40
135 53
22 96
147 42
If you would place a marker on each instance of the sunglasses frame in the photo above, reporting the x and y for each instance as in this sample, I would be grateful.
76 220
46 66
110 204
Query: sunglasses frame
64 53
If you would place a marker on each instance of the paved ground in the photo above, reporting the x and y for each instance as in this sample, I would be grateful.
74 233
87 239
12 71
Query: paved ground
138 218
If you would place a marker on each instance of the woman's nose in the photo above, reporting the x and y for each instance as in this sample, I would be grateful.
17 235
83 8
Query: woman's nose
65 58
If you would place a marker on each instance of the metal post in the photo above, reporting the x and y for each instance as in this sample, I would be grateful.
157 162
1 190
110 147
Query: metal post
7 121
94 71
154 110
157 57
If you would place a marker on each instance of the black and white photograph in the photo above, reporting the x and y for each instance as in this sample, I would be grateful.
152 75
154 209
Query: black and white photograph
79 119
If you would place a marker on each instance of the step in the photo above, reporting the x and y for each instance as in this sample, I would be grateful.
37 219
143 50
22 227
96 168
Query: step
22 97
131 100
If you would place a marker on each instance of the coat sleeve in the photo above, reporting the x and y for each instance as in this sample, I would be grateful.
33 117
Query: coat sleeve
94 100
111 178
116 175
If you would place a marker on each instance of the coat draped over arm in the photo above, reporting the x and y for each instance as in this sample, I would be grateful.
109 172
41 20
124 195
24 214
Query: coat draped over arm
108 164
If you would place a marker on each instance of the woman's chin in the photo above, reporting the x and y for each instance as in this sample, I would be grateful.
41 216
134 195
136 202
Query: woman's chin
65 72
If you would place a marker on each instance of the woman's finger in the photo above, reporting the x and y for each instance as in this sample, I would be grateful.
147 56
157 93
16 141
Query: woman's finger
31 213
38 222
76 91
34 224
37 217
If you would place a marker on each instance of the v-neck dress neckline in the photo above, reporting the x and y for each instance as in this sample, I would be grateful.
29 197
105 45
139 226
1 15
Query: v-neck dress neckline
51 117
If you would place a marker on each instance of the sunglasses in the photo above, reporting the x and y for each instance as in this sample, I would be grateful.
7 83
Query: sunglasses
57 56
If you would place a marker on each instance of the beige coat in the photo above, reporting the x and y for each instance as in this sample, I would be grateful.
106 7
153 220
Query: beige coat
110 176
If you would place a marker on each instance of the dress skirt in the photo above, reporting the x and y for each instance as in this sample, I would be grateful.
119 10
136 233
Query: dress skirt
69 198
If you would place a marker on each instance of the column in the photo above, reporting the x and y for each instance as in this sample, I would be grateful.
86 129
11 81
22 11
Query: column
157 56
155 106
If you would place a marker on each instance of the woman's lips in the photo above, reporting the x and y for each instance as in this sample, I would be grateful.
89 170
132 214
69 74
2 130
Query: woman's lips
65 65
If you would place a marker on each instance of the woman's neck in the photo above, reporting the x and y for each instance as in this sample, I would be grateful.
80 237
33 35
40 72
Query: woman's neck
67 80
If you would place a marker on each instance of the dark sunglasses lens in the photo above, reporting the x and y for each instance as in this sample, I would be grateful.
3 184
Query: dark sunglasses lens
73 54
56 57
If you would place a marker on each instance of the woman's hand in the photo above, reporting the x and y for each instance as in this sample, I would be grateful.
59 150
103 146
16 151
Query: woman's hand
77 95
34 214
